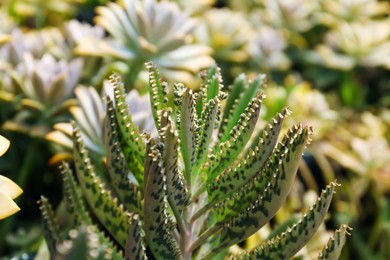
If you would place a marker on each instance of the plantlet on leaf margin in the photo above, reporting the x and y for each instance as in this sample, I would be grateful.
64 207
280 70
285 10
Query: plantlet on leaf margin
209 181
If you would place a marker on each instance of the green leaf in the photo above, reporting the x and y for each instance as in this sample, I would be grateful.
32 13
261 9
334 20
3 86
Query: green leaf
227 152
76 209
158 93
178 195
213 83
255 204
50 226
187 127
159 227
293 239
128 192
235 91
135 248
233 178
132 143
73 199
207 124
235 106
105 207
333 248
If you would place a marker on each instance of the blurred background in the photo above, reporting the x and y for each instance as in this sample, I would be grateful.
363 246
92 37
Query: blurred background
327 60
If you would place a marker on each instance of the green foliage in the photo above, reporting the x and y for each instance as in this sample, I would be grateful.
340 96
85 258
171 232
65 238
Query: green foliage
194 191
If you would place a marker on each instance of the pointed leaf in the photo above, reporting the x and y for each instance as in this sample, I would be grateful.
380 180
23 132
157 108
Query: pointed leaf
234 178
128 192
105 207
187 127
207 124
73 199
135 249
4 145
7 206
293 239
50 225
158 92
253 207
133 146
239 136
178 194
158 225
213 83
235 91
333 248
237 106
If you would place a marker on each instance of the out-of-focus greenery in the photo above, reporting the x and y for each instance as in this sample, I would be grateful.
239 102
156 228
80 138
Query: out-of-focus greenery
328 59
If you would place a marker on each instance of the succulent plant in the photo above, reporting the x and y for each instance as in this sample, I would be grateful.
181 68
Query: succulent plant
335 11
148 30
364 43
39 13
209 181
46 87
227 33
195 6
8 189
266 49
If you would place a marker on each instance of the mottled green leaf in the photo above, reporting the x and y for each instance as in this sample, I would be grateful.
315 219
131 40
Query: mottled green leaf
135 249
158 93
187 127
100 200
274 180
250 208
333 248
129 192
233 178
177 190
293 239
132 143
207 124
50 227
158 225
213 83
236 106
73 198
228 151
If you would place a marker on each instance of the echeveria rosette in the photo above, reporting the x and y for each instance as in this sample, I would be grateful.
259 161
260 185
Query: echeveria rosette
334 12
365 43
141 31
227 32
45 13
267 47
46 89
8 189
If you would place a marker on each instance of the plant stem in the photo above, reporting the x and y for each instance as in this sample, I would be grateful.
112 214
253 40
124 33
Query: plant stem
21 180
204 236
200 212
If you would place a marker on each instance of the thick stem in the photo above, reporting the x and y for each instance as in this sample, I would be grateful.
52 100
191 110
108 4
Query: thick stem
185 238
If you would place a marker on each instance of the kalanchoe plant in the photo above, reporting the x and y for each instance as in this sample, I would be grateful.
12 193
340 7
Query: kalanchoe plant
209 181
